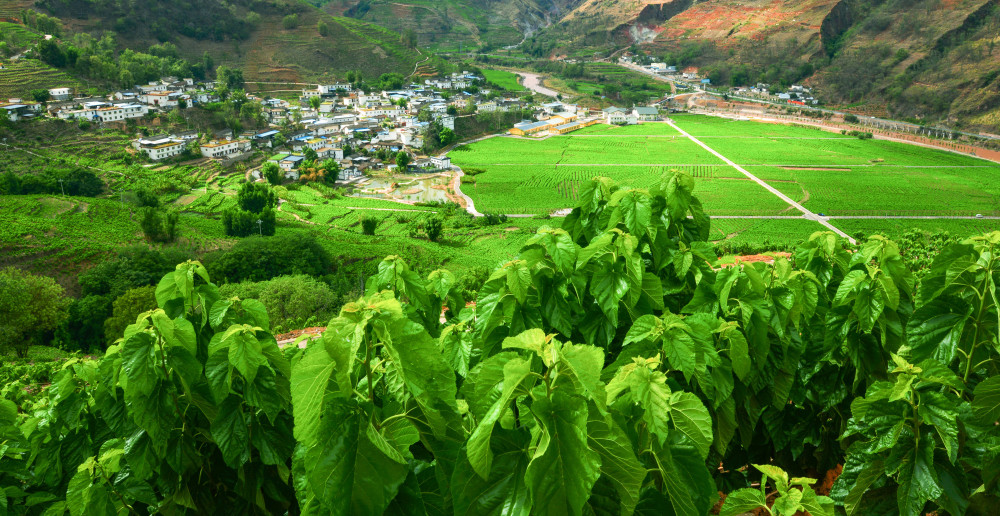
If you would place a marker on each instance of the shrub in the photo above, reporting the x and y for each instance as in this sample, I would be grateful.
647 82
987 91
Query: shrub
851 119
261 259
368 224
159 225
433 227
290 22
492 219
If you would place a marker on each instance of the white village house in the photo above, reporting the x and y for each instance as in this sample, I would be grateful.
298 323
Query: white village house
221 149
619 116
160 148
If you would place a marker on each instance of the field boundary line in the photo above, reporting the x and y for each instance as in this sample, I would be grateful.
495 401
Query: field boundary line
806 212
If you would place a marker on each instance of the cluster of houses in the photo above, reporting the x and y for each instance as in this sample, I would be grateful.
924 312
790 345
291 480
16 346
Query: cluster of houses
559 118
622 116
796 94
18 109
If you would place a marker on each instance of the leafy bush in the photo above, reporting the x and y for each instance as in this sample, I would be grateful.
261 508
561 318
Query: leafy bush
851 119
492 219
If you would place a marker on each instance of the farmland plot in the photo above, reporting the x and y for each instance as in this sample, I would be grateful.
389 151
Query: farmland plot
901 191
704 126
833 153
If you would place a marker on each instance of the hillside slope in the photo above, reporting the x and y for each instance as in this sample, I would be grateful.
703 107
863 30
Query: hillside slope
915 59
454 24
253 34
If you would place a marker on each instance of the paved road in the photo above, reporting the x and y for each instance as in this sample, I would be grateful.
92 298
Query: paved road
533 82
805 212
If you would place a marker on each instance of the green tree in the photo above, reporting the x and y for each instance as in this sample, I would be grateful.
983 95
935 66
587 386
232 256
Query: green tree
40 95
272 173
259 259
309 154
252 19
434 226
126 309
402 160
51 54
255 197
331 171
126 79
30 307
447 137
315 102
409 38
242 223
292 302
290 21
231 78
159 225
323 28
207 62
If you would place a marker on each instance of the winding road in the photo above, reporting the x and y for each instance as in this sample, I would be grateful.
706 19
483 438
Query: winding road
533 82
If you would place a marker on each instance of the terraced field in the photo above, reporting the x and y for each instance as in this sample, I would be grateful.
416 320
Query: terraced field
17 35
18 78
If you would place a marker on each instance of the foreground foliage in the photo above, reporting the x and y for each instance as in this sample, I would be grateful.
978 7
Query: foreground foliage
610 369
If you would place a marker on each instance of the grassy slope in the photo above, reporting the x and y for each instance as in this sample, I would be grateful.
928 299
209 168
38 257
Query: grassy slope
450 25
948 58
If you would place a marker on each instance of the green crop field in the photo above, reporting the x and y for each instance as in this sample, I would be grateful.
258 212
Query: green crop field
896 228
826 172
504 79
780 232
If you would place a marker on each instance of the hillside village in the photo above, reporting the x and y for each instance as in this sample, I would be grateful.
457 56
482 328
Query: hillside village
334 121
